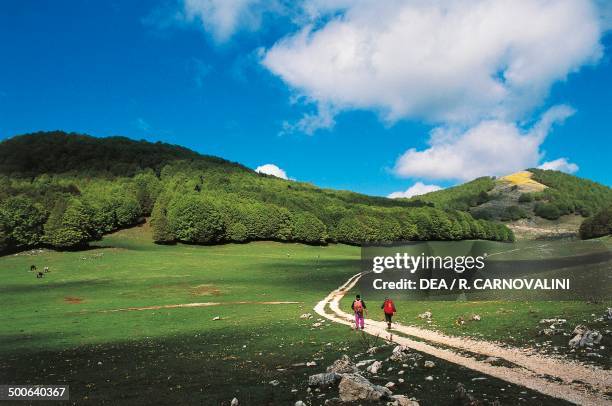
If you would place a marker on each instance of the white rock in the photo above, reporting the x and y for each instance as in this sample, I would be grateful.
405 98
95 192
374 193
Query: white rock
365 362
216 318
429 364
274 383
425 316
300 403
375 367
234 402
429 378
311 364
390 385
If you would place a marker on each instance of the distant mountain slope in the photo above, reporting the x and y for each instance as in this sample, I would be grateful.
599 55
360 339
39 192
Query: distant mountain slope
533 202
64 189
58 152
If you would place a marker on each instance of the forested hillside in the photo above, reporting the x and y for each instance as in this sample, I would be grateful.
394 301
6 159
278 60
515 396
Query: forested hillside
64 190
492 198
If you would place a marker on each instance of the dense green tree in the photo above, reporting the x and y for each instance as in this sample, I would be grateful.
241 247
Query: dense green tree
195 219
598 225
308 228
548 211
21 221
68 225
161 229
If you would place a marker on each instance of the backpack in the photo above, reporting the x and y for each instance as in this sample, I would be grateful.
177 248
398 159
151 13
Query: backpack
388 307
358 306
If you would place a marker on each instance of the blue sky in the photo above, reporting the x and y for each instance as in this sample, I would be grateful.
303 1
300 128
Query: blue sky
268 83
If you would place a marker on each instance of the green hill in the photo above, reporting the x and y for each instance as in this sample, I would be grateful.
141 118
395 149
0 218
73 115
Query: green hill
63 190
538 202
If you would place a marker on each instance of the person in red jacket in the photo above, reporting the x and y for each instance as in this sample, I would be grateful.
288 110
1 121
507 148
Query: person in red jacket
388 308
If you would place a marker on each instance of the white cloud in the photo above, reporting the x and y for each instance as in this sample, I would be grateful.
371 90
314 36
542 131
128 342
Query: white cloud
224 18
455 62
561 164
418 188
311 122
492 147
271 169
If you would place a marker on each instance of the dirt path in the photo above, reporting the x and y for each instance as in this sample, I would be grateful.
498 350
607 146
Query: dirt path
553 377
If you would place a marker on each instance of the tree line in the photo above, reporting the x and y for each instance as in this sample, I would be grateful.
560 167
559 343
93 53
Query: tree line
196 199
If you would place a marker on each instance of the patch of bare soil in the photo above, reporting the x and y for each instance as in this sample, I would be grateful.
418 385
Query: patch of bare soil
73 300
205 290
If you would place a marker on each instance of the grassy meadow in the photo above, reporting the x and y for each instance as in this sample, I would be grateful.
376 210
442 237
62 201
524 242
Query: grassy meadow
96 321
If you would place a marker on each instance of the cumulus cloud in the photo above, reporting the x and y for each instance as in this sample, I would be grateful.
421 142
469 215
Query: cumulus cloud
561 164
418 188
446 62
492 147
271 169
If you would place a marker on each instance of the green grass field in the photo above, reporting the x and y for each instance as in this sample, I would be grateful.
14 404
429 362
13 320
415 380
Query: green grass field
75 325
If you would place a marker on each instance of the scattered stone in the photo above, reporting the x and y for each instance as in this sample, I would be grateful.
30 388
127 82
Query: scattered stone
333 402
476 317
364 362
344 365
583 337
400 353
479 378
300 403
402 400
324 379
401 372
216 318
547 332
390 385
373 350
429 378
558 322
492 360
400 380
317 324
274 383
608 314
429 364
306 316
375 367
355 387
235 402
311 364
425 316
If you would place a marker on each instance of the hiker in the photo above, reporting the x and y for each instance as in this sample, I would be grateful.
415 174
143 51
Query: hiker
359 307
388 308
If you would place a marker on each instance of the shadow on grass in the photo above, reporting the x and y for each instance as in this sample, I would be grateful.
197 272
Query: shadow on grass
210 369
44 285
